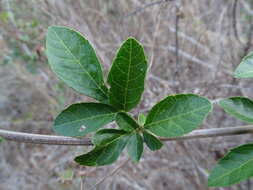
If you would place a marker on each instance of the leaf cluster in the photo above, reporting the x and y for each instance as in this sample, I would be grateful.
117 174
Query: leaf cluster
237 164
73 59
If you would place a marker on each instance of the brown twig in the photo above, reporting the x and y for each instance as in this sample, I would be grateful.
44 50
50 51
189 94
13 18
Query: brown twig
235 4
157 21
249 37
60 140
43 139
114 171
176 37
144 7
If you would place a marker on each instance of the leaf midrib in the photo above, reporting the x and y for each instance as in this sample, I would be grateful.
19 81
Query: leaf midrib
87 118
78 61
107 144
173 117
243 73
136 142
228 173
243 62
231 110
128 73
245 118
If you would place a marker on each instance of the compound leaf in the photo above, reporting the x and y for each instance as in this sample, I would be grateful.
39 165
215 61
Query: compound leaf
177 115
239 107
245 69
83 118
135 146
75 62
126 122
151 141
109 151
127 75
234 167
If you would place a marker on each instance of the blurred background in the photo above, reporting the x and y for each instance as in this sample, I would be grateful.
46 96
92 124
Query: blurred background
193 47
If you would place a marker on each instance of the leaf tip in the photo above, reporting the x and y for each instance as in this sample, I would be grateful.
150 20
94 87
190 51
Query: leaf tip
133 39
79 160
53 28
236 74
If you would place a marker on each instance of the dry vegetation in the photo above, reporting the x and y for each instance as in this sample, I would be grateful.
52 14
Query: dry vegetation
193 47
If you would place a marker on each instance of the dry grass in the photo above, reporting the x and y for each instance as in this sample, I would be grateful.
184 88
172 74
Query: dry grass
201 62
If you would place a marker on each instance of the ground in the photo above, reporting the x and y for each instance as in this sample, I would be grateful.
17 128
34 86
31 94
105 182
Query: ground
211 40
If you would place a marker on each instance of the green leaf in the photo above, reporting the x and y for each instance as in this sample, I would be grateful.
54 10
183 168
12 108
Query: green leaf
245 69
1 139
75 62
151 141
141 119
234 167
135 146
126 122
109 151
127 75
239 107
105 136
177 115
81 119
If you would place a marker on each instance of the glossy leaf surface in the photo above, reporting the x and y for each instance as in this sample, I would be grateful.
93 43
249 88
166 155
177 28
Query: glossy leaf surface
75 62
245 69
234 167
127 75
151 141
126 122
239 107
177 115
81 119
105 154
141 119
135 146
105 136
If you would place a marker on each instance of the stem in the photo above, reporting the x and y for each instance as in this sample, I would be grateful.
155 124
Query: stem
43 139
114 171
216 132
235 4
144 7
176 38
60 140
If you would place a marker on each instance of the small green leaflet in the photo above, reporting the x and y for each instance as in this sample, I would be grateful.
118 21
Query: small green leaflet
75 62
135 146
135 142
245 69
126 122
1 139
108 149
177 115
141 119
151 141
127 75
239 107
234 167
105 136
81 119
